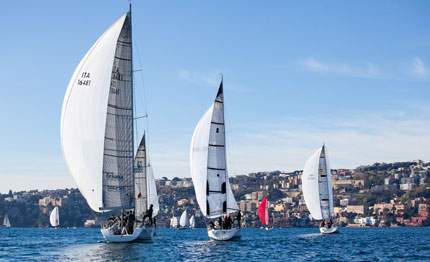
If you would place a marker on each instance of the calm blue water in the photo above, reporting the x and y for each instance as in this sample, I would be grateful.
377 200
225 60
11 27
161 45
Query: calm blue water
298 244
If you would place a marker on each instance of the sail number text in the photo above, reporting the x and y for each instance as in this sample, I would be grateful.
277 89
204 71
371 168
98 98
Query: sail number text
84 79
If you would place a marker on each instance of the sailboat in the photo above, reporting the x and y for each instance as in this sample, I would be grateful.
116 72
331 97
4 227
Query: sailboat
317 190
192 222
184 221
6 222
54 218
209 172
174 222
145 191
97 135
263 213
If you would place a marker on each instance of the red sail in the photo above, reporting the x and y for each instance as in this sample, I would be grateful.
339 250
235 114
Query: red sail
262 211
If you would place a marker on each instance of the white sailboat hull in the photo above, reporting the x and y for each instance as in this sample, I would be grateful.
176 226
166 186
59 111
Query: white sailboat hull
331 230
109 235
225 234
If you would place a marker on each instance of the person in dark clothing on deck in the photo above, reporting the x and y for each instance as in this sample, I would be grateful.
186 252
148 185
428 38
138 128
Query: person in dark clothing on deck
148 214
239 217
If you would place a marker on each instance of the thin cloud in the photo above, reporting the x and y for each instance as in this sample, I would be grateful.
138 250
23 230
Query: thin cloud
367 71
418 68
207 79
211 79
351 142
414 70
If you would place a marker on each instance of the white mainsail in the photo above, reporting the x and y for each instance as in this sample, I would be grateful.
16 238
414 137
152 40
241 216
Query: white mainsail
317 186
192 222
140 180
208 162
54 218
185 220
6 222
97 121
145 189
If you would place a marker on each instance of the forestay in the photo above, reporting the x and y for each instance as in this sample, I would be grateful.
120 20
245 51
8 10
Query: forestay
97 121
316 185
208 162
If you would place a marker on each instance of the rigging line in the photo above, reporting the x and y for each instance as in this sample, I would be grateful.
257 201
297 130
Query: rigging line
227 134
144 99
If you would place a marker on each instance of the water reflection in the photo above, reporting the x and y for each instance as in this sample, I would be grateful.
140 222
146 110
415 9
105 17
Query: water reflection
104 252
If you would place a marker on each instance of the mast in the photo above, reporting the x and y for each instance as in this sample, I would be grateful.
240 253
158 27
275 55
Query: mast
132 104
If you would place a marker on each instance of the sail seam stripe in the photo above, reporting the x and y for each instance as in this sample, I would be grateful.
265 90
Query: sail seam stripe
119 115
126 151
124 59
118 156
216 145
213 168
117 107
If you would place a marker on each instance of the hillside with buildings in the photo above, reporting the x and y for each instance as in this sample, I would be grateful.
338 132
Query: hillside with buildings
395 194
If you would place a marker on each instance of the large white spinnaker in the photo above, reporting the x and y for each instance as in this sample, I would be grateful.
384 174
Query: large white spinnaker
97 121
316 185
54 218
208 162
184 221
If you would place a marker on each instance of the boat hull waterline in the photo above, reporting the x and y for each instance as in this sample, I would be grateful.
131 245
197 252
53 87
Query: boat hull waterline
141 233
331 230
109 235
225 234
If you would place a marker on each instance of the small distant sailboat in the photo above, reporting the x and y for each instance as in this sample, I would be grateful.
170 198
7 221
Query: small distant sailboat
54 218
97 135
192 222
317 190
6 222
174 222
209 172
184 221
263 213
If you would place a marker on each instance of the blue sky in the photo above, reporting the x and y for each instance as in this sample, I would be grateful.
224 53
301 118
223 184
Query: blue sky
352 74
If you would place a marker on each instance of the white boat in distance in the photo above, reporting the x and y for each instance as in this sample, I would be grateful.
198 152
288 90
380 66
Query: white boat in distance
184 221
6 222
317 190
97 136
209 171
174 222
54 218
192 222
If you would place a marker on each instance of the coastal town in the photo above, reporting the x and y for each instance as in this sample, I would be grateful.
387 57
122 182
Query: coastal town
378 195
